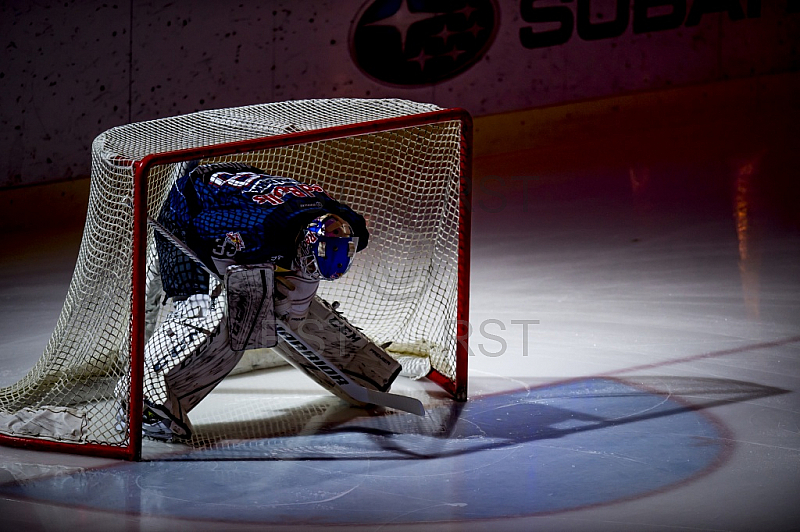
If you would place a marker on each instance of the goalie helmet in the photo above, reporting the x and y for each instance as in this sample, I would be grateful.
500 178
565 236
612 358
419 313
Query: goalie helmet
327 247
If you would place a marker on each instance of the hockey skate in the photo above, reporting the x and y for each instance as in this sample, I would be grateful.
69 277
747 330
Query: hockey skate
156 425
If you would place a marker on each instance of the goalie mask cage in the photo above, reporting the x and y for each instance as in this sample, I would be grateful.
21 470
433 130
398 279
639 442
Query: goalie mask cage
405 166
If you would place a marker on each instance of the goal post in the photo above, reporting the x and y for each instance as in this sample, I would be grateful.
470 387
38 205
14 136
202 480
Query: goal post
405 166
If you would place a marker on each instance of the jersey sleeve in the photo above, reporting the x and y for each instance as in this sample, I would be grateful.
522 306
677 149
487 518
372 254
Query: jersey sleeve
180 275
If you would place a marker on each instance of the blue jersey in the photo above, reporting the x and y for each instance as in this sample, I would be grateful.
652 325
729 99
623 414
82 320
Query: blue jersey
231 213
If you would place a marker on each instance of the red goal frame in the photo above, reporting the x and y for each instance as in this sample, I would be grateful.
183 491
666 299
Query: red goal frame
142 167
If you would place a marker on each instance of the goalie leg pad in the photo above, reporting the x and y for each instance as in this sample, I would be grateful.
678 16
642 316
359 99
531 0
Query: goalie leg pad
328 332
187 356
347 347
154 291
289 348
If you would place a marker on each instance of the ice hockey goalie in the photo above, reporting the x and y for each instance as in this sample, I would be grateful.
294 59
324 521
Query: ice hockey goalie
240 255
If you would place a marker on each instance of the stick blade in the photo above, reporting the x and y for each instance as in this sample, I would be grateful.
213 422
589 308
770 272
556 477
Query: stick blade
398 402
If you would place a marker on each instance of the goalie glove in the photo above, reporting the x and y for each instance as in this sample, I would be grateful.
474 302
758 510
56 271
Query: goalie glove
293 295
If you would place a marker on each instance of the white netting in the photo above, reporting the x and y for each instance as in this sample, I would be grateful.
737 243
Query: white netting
402 289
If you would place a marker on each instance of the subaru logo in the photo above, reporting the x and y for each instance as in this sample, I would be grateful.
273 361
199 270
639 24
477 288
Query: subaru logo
421 42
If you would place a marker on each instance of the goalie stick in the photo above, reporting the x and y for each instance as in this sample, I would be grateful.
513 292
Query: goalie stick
359 393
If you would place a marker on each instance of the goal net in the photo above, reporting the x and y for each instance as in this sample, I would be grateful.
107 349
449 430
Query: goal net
404 166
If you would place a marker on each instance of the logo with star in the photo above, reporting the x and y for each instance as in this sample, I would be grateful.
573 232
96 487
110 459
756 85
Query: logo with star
421 42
